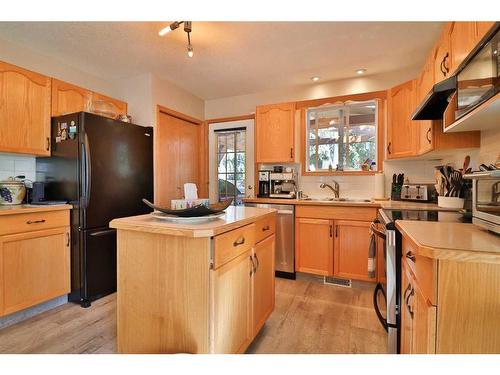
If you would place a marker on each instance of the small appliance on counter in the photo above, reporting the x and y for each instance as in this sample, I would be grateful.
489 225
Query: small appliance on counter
36 195
283 184
264 184
12 191
405 191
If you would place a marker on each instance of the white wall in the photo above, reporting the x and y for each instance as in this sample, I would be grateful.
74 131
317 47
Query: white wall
245 104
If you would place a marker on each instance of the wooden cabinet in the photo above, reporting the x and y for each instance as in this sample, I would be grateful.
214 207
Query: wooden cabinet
482 28
68 98
263 282
424 84
232 305
274 133
107 106
401 130
314 246
350 259
35 261
406 317
177 140
24 111
463 38
442 55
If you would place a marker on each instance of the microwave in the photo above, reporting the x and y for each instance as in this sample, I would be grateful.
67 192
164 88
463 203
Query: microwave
486 199
478 80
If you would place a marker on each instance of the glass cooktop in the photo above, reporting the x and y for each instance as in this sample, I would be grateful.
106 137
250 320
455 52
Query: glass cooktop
429 215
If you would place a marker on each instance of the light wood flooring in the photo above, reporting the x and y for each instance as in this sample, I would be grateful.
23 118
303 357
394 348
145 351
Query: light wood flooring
309 318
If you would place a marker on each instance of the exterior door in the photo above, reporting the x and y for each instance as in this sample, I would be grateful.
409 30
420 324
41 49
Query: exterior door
352 240
314 246
232 304
263 284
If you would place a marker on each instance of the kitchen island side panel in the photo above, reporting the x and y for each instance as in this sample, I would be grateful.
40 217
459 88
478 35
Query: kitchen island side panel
163 293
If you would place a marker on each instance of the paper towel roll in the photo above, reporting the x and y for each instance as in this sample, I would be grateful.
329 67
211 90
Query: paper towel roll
379 186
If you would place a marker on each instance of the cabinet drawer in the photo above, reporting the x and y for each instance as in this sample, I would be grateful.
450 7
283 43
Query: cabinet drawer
229 245
424 269
265 227
19 223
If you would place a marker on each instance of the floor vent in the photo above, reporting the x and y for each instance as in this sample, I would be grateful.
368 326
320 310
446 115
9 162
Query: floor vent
346 283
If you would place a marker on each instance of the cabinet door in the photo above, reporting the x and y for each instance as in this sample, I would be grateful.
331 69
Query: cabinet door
401 131
442 55
406 317
424 329
106 106
34 267
423 86
68 98
482 28
24 111
350 255
462 40
274 133
232 305
314 246
263 282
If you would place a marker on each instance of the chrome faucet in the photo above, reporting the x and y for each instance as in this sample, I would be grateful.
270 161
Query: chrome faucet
335 188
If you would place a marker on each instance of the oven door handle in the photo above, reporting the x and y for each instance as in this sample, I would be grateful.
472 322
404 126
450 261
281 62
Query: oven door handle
382 320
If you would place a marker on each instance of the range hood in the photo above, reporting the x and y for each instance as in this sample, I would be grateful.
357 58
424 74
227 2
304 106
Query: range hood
436 101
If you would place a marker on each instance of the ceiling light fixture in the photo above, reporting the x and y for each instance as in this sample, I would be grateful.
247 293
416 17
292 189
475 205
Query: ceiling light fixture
361 71
187 29
315 79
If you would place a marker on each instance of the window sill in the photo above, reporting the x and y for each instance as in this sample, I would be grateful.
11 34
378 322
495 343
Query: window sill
340 173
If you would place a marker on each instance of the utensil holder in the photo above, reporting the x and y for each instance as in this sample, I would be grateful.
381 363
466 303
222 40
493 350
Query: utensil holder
451 202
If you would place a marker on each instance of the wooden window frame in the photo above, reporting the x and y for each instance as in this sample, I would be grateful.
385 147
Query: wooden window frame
378 96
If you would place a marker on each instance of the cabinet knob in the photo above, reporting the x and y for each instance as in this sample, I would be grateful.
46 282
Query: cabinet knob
266 228
239 241
410 256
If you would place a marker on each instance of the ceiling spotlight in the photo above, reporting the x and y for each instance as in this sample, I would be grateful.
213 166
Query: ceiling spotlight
190 50
315 79
361 71
169 28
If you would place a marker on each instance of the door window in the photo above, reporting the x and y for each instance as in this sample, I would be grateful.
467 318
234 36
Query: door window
231 164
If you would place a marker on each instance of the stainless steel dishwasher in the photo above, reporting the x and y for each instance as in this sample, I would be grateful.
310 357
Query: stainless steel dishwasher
285 238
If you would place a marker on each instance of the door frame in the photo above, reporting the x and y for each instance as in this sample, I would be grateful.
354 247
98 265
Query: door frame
232 122
203 136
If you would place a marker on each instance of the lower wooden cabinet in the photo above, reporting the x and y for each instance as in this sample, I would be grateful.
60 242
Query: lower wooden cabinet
35 267
232 304
263 283
314 246
350 255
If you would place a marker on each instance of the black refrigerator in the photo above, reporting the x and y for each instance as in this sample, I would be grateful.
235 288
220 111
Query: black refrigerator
103 168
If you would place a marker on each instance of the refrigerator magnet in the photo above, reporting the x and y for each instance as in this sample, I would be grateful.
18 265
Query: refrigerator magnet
58 139
64 135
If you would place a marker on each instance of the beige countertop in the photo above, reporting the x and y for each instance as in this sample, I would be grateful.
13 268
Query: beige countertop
388 204
28 208
455 241
235 217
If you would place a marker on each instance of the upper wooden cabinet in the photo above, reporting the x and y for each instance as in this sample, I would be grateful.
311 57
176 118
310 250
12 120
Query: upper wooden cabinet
463 38
274 133
24 111
68 98
424 84
107 106
482 28
442 55
401 130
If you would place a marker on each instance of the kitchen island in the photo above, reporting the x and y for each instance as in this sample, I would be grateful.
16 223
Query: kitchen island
194 288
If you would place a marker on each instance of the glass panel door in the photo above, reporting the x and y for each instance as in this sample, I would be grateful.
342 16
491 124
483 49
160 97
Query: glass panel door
231 165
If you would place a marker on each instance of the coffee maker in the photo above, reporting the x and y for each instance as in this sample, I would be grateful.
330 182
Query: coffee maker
283 184
264 184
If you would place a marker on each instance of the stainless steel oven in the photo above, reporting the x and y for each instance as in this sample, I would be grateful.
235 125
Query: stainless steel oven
486 199
387 291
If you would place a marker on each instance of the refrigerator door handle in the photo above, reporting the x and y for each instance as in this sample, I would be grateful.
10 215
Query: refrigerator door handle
383 321
87 179
103 232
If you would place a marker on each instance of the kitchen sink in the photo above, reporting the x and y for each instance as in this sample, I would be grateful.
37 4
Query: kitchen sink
331 199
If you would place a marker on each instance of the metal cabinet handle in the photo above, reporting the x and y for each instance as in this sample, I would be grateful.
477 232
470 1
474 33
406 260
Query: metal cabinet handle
441 67
67 239
239 241
408 307
410 256
336 230
331 230
428 135
47 146
406 291
266 228
257 260
291 152
446 68
35 221
389 148
252 266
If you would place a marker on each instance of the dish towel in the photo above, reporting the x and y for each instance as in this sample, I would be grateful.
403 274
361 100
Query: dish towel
372 255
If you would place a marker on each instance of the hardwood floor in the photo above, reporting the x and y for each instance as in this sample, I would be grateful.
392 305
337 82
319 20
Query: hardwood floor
309 318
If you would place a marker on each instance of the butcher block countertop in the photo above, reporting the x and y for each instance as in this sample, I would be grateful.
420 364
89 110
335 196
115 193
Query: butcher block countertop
453 241
28 208
387 204
235 217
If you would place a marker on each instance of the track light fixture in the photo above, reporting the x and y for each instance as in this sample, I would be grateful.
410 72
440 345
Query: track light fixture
187 29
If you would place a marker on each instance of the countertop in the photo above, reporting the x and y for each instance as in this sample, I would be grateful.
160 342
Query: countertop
235 217
27 208
387 204
454 241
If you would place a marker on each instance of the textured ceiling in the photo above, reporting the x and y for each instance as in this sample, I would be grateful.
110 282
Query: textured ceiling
230 58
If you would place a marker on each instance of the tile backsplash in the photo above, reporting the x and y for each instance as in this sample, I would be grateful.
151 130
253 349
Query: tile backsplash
12 165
